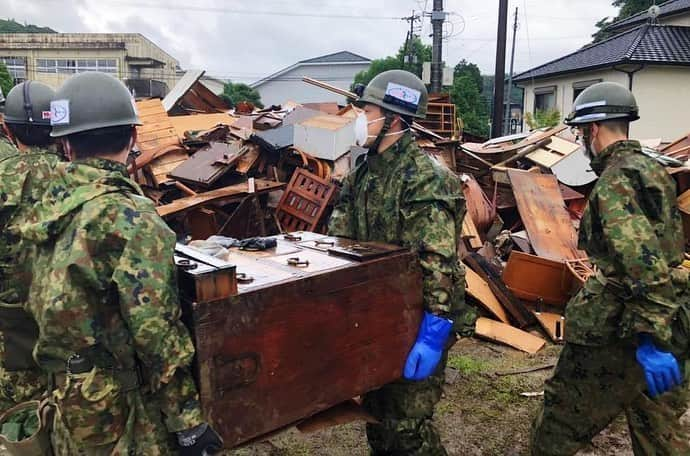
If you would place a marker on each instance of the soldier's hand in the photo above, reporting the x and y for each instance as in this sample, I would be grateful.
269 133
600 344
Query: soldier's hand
428 349
660 368
201 440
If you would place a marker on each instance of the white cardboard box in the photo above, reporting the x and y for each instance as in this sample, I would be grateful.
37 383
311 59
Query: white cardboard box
326 137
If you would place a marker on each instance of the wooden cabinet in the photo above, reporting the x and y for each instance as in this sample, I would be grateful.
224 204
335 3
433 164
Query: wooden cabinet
297 339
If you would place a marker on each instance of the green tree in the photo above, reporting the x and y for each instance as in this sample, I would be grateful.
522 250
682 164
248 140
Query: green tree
466 94
543 119
421 51
237 93
6 80
627 8
12 26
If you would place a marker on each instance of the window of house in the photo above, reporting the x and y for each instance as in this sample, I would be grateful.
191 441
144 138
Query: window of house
16 67
67 66
580 87
544 98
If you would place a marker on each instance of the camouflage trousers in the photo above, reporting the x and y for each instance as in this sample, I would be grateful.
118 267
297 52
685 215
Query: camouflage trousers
405 410
150 439
19 386
590 387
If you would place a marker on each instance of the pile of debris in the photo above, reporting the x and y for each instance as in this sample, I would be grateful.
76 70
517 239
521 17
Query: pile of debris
249 172
526 195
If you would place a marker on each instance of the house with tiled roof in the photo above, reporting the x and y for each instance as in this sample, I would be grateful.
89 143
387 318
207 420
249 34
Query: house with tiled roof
652 58
338 69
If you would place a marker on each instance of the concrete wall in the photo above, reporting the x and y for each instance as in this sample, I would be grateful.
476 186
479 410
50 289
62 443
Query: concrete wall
289 86
76 46
662 93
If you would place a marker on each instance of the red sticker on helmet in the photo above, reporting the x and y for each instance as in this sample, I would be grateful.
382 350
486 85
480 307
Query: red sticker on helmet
45 115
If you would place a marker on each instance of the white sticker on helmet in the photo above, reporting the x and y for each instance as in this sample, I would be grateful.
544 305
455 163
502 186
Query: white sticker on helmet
59 112
591 105
404 94
587 117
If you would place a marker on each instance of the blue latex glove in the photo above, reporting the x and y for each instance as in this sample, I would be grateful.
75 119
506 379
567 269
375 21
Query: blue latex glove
428 349
660 368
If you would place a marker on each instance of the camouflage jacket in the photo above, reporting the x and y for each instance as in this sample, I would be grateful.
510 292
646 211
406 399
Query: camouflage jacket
24 178
403 197
105 287
632 232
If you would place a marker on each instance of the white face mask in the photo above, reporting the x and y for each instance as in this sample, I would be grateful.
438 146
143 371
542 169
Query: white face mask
362 129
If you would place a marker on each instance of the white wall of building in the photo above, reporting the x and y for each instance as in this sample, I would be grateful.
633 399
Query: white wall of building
662 93
289 86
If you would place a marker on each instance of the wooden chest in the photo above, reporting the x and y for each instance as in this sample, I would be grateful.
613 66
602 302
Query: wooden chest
305 330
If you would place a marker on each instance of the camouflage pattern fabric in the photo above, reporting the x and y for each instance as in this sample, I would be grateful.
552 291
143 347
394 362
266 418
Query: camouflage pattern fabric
632 231
24 177
104 284
405 410
403 197
590 387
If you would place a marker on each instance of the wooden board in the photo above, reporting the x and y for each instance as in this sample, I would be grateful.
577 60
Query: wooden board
294 349
496 331
190 202
550 154
209 164
480 290
160 167
518 312
197 122
533 278
543 212
548 322
469 232
156 130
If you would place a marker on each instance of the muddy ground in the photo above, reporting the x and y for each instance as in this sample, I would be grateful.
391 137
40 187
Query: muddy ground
482 413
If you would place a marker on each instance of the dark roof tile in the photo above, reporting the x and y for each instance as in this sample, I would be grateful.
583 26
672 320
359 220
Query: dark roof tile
654 44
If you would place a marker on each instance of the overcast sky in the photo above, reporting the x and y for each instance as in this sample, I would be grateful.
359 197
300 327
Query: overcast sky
245 40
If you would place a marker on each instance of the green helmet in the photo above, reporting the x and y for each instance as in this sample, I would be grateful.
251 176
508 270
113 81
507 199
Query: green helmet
91 101
397 91
28 103
601 102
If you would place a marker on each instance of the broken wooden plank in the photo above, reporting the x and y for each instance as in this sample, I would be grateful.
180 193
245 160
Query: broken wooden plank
209 164
344 413
480 290
553 325
538 279
550 154
543 212
496 331
191 202
469 232
518 312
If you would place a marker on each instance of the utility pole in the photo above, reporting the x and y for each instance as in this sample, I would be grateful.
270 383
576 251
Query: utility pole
509 96
499 79
438 16
409 56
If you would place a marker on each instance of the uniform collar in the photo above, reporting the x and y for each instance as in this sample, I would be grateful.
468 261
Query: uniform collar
391 154
106 165
612 153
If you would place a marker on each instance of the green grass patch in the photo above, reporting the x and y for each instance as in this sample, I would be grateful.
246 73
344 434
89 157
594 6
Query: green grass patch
467 365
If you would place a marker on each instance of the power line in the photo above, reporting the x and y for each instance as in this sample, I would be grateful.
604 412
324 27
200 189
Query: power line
221 10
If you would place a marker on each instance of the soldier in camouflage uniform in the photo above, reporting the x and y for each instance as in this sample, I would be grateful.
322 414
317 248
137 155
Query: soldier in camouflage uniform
104 292
25 171
401 196
627 329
